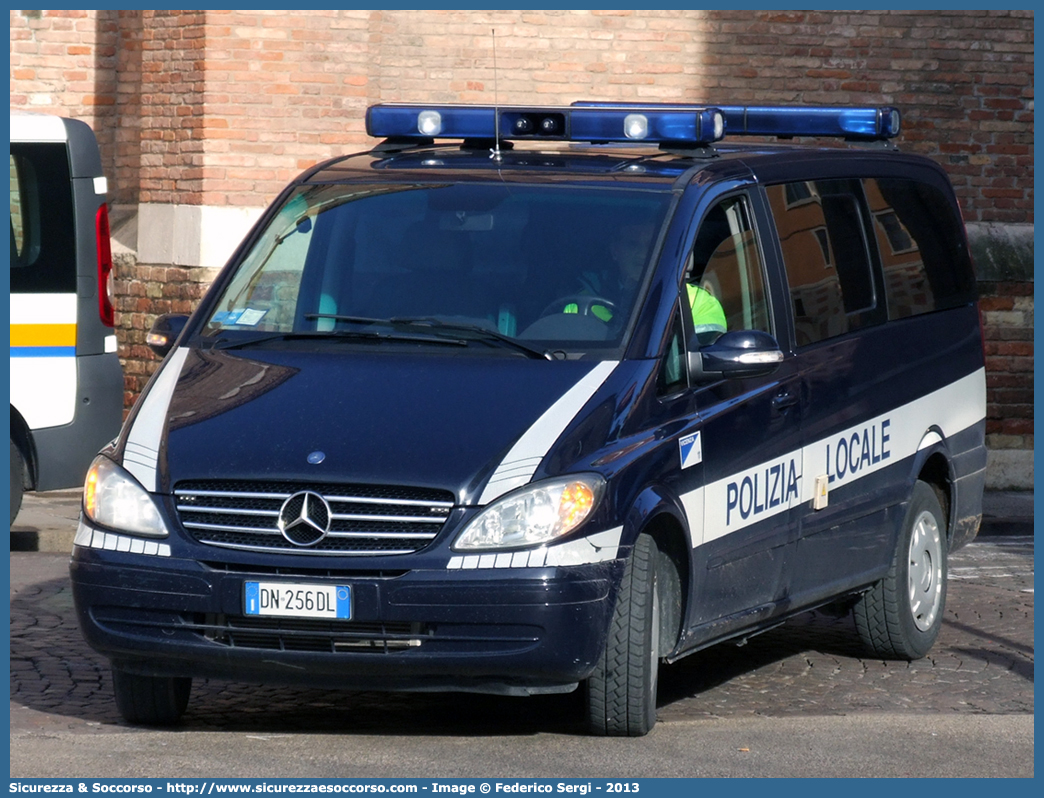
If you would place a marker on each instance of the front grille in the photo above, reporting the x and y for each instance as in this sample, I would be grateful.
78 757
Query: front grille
363 519
300 634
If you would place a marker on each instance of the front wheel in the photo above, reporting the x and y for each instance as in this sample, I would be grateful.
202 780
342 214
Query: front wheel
900 617
150 700
621 692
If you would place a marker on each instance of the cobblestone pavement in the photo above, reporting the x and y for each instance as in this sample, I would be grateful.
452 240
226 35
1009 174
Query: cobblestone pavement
981 664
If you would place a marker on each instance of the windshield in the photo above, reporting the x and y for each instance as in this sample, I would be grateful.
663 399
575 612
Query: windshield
556 268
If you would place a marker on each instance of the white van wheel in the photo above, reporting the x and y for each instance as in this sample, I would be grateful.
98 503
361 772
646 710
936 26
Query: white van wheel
621 692
900 617
17 480
150 700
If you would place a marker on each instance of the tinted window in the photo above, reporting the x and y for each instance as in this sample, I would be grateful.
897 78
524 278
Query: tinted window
557 265
43 234
921 245
823 238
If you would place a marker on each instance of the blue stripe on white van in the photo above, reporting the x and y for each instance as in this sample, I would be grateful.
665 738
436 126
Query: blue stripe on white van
43 351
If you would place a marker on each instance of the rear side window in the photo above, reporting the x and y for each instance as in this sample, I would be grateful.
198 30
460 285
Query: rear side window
823 237
43 227
921 244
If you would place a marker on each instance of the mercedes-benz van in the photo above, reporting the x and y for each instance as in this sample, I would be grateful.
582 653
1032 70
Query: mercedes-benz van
531 400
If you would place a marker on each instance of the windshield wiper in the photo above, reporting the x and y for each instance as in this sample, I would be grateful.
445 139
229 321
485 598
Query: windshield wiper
342 335
473 331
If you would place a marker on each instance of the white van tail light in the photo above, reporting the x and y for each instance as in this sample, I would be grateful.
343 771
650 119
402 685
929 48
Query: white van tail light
105 305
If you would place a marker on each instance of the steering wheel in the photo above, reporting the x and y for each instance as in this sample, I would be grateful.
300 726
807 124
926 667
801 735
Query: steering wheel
584 303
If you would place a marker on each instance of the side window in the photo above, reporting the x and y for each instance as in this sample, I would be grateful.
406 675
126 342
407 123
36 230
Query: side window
724 284
673 370
823 239
43 235
919 238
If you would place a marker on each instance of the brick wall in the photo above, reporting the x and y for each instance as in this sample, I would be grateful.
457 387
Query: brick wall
207 112
1007 311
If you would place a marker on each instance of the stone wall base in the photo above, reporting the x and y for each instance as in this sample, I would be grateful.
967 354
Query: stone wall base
1009 469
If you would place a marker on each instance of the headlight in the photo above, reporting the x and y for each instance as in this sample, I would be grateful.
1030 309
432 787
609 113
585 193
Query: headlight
538 514
113 498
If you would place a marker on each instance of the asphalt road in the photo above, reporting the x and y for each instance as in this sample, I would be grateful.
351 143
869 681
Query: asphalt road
799 701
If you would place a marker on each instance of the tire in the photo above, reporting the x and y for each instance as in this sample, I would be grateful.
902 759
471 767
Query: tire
17 480
621 692
900 617
150 700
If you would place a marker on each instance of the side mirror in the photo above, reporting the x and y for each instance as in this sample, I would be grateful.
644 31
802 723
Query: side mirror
743 353
165 332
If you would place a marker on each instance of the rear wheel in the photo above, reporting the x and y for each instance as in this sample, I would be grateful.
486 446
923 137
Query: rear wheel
621 692
900 617
17 480
150 700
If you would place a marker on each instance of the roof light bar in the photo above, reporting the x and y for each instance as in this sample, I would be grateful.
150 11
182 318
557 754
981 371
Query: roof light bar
866 122
681 125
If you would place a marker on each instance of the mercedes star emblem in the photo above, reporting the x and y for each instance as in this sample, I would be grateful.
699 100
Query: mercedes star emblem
304 518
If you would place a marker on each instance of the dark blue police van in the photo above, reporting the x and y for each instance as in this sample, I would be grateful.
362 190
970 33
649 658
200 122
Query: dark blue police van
576 392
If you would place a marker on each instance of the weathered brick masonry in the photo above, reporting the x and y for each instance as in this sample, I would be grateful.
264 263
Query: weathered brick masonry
204 115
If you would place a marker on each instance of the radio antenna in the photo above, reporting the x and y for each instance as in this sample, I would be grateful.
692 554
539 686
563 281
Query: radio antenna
495 152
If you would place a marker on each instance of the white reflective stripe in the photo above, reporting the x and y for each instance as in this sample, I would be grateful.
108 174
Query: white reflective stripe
595 548
143 440
83 535
692 502
774 486
525 456
585 551
43 308
89 538
930 439
101 185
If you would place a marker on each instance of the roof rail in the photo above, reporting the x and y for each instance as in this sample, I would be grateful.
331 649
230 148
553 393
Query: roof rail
859 123
422 123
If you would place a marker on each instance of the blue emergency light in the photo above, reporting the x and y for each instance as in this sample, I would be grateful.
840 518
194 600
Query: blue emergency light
867 122
682 125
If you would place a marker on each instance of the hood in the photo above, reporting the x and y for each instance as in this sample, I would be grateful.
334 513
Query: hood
387 419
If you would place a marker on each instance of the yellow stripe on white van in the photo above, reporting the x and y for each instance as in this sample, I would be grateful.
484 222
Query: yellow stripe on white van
43 335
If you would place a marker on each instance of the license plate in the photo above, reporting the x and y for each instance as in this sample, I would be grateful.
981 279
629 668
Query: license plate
294 600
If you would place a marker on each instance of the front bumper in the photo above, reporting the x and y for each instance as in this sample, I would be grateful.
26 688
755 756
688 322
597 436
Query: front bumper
495 630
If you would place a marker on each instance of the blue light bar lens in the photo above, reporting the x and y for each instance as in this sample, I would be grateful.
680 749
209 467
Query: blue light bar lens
589 124
402 121
858 123
790 120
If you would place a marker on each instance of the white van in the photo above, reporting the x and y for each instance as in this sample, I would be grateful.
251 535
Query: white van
66 381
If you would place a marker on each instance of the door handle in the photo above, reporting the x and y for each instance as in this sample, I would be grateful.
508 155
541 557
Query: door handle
782 401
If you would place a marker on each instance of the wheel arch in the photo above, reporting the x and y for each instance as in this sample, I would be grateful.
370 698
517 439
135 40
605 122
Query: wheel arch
936 469
661 516
22 437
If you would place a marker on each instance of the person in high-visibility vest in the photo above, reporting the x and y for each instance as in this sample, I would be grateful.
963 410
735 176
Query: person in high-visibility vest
628 249
707 312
